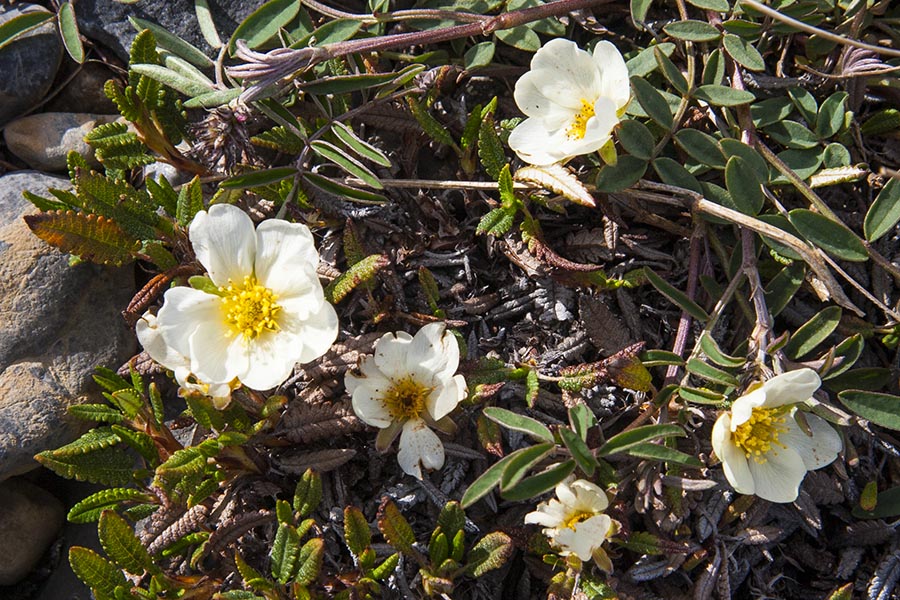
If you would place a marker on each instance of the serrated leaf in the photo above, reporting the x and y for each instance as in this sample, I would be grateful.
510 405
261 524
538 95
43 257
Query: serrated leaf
181 464
117 200
496 222
634 437
310 561
141 442
429 124
653 103
285 553
91 237
518 422
122 545
109 466
489 553
692 31
356 275
387 567
676 296
356 530
451 519
832 237
264 23
90 508
98 573
720 95
532 387
813 332
884 213
490 148
100 413
559 179
665 454
96 439
522 462
881 409
395 528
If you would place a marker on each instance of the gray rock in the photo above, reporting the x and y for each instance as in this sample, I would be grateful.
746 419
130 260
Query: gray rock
30 518
84 93
42 141
28 64
107 21
56 324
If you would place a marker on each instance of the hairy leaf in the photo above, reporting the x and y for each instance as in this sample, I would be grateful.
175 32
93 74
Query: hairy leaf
91 237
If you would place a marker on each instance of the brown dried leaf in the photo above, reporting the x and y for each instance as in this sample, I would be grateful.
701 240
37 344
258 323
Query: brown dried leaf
296 463
607 332
588 245
307 423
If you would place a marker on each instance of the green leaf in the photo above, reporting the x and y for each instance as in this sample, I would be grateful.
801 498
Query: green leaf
213 99
285 553
672 172
535 485
743 186
308 493
884 213
628 171
186 85
522 463
356 530
772 110
395 528
172 43
182 463
100 413
692 31
579 451
813 332
490 148
653 103
644 62
388 566
122 545
869 379
141 442
834 238
349 164
671 72
743 52
521 38
429 124
259 178
702 147
721 6
804 163
109 466
581 418
636 139
358 274
264 23
830 119
887 506
68 29
665 454
639 10
207 24
496 222
190 201
91 237
715 354
805 103
518 422
676 296
491 477
792 134
731 147
783 287
479 55
357 145
711 373
719 95
634 437
880 409
343 84
89 509
22 24
489 553
98 573
701 396
335 188
658 358
337 30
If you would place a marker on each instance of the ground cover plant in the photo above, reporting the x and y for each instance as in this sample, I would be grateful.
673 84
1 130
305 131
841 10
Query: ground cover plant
609 303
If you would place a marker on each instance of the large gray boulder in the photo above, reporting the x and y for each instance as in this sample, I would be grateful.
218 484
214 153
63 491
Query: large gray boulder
107 21
56 324
30 518
28 65
43 141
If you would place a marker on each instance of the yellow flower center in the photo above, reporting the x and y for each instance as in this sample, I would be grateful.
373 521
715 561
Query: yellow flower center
757 436
576 518
578 127
250 308
406 399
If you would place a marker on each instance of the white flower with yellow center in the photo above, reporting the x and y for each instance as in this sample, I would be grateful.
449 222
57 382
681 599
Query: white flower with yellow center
148 335
573 100
764 451
405 388
575 522
264 310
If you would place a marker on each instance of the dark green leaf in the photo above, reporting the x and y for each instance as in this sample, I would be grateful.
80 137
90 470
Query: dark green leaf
479 55
664 453
772 110
887 506
721 6
792 134
653 103
783 287
518 422
352 166
285 552
715 354
692 31
342 84
884 213
701 396
360 147
830 119
743 52
805 103
336 188
671 72
813 332
546 480
628 171
880 409
639 9
645 62
522 38
122 545
522 462
98 573
731 147
636 139
90 508
676 296
706 371
719 95
489 553
702 147
172 43
804 163
629 439
263 23
308 493
714 69
579 451
743 186
673 173
21 24
834 238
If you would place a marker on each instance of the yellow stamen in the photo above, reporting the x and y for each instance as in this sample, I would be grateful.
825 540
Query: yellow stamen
578 127
406 399
757 435
577 518
249 308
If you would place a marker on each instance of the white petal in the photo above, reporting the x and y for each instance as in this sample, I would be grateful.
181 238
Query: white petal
778 479
565 494
149 336
614 82
598 130
734 460
742 409
564 62
791 387
444 398
286 257
418 444
390 354
433 354
817 450
550 514
272 356
537 145
368 403
589 496
586 536
319 332
184 309
216 356
224 242
535 104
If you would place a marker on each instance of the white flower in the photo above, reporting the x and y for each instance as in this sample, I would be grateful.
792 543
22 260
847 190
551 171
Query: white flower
764 451
265 310
148 335
575 523
572 99
407 386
